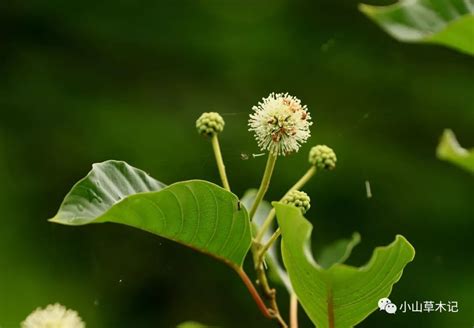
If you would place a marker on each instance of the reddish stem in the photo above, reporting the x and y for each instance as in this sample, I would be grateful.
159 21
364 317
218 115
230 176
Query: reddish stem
255 295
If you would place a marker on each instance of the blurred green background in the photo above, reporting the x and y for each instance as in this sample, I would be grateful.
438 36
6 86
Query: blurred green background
82 82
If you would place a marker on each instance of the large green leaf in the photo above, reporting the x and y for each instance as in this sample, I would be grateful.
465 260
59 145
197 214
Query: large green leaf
104 186
446 22
277 272
195 213
450 150
341 296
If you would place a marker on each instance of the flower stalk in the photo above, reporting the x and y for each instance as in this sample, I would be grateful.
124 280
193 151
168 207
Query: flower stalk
220 162
293 311
271 216
262 190
210 124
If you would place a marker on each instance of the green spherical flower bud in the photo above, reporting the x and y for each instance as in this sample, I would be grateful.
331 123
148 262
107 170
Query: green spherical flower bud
299 199
322 157
209 124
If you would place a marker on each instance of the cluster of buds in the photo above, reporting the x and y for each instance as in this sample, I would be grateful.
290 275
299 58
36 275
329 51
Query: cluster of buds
322 157
299 199
209 124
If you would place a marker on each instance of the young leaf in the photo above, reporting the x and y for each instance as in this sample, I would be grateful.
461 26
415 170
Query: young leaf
446 22
195 213
277 272
450 150
339 251
262 210
341 296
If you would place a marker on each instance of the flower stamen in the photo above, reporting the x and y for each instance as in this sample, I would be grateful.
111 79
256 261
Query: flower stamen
280 123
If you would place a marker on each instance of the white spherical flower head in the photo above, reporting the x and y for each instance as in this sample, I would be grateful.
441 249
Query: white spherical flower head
53 316
280 123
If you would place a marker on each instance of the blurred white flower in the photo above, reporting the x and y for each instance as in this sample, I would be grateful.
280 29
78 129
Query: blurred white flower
53 316
280 123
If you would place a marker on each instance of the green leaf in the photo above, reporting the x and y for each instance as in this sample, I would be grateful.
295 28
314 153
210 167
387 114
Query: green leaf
104 186
341 296
277 273
338 252
446 22
450 150
195 213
